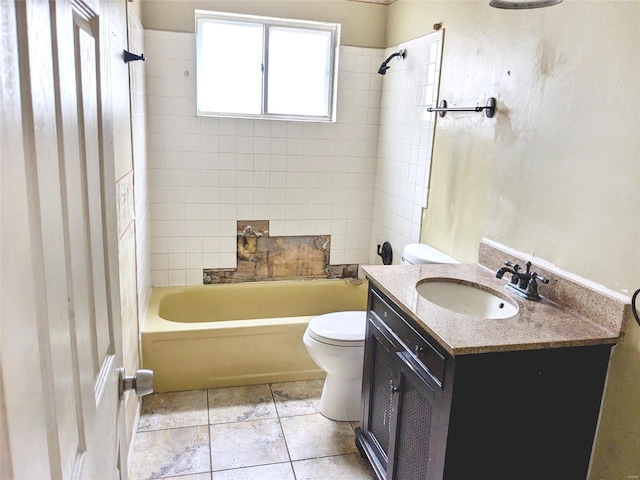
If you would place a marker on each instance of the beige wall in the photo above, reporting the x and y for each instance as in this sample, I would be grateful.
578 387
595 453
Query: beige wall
363 24
119 72
556 173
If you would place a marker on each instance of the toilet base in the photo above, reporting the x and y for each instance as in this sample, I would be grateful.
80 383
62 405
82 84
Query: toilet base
341 399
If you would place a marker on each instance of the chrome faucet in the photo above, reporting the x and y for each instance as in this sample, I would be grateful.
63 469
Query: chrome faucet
524 283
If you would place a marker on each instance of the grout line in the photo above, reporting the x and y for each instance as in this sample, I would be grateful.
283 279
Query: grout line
284 438
209 436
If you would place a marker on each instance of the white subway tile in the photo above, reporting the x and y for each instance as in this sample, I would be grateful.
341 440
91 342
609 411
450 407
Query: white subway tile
336 257
211 260
193 228
193 261
245 210
227 127
159 278
262 145
193 245
244 144
159 261
210 244
228 212
177 278
194 276
228 227
279 129
228 195
262 128
209 125
158 245
175 211
193 195
175 228
228 244
227 144
228 260
176 245
227 160
277 226
210 162
279 145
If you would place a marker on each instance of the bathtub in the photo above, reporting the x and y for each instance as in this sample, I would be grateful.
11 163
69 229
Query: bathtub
238 334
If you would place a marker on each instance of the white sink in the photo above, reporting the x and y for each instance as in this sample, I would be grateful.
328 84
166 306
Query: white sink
467 298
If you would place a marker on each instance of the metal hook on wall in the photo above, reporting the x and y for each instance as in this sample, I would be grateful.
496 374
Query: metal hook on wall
132 57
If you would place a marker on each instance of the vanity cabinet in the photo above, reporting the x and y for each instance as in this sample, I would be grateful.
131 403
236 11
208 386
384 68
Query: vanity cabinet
431 415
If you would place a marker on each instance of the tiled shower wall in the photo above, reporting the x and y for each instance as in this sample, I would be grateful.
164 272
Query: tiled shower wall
140 167
405 143
206 173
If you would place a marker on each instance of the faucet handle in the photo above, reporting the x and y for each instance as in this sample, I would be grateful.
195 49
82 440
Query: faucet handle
532 286
540 278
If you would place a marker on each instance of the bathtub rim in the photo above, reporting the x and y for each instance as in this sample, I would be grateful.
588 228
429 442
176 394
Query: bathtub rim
155 324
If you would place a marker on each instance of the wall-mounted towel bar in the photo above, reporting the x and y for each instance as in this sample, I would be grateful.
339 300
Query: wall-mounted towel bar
442 109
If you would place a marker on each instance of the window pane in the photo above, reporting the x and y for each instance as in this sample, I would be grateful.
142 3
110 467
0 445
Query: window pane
299 71
229 67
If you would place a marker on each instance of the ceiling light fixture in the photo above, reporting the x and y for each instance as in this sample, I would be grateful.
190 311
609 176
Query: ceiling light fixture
522 4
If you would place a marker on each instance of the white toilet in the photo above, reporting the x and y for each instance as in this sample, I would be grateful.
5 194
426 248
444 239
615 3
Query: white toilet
420 253
335 341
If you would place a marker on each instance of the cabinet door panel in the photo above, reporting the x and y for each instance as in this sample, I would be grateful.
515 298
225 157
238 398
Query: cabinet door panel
382 394
381 356
411 455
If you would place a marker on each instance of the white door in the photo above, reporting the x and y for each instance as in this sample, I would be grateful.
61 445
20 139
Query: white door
61 346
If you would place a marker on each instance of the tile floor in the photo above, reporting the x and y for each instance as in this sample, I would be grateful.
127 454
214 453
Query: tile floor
257 432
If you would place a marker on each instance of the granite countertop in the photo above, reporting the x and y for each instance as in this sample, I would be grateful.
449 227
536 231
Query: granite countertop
537 325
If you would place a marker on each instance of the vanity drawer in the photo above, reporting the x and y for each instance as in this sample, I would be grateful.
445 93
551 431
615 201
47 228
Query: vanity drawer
420 348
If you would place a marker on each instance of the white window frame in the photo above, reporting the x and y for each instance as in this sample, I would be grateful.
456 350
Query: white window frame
267 22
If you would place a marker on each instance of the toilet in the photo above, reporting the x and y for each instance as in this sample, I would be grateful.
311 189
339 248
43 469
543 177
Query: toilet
421 253
335 341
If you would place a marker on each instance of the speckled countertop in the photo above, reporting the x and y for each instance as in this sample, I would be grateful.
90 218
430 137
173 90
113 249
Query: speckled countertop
537 325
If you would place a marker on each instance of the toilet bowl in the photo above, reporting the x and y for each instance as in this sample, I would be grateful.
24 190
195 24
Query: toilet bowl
335 341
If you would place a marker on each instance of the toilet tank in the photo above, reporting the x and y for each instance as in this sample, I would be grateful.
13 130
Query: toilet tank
420 253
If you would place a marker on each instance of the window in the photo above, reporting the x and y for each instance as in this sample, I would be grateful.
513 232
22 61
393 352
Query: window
262 67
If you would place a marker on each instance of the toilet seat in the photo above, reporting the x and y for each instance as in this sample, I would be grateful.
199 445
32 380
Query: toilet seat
343 329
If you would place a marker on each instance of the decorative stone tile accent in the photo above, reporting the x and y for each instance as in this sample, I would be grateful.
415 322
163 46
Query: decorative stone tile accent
261 257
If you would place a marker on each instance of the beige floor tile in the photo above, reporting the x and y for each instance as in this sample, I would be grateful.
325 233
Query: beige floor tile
173 410
247 444
343 467
239 404
311 436
165 453
297 398
277 471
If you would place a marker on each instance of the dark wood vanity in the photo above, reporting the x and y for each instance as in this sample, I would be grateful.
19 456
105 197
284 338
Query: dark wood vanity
513 412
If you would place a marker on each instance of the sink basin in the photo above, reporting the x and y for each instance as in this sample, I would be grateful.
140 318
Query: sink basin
467 298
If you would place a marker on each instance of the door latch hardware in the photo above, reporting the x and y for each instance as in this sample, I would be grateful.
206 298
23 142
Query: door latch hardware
141 382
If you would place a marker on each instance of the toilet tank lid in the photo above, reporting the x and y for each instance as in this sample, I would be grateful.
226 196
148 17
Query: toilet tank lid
343 326
418 253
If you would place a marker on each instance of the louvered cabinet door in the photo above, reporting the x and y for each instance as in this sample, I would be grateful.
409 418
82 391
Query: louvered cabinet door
411 454
380 360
